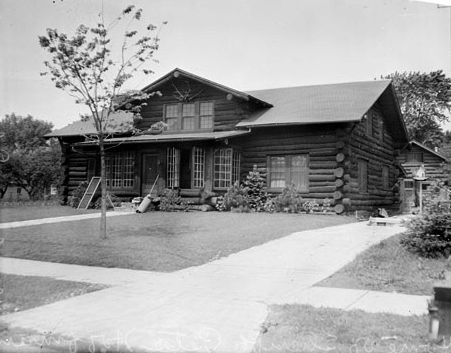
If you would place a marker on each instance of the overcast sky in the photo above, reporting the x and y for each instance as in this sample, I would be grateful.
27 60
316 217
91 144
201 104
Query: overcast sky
244 44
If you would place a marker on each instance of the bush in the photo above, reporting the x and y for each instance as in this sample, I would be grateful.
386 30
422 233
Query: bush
289 200
255 195
170 200
429 235
235 197
77 194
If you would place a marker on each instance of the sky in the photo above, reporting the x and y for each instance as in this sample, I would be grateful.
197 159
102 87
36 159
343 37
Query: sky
243 44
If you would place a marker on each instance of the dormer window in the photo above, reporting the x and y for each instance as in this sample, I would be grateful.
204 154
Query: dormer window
189 116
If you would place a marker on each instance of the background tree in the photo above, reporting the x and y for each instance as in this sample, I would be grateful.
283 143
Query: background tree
34 162
91 69
425 100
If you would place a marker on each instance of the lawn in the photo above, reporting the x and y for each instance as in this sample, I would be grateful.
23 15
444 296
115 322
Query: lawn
388 267
25 292
302 328
156 241
24 213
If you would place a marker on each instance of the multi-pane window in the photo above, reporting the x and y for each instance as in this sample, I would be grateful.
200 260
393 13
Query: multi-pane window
363 175
206 115
172 116
173 163
289 170
198 167
120 170
226 167
190 116
385 177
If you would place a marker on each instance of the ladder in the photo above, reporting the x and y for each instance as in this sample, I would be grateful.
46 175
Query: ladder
89 193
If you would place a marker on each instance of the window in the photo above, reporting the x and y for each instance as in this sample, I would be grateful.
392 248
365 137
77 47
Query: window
190 116
226 167
363 175
172 116
206 115
369 124
198 167
289 170
120 170
385 177
173 163
408 184
415 157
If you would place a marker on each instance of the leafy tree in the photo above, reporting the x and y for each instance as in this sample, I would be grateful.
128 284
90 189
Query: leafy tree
24 133
87 67
425 103
34 162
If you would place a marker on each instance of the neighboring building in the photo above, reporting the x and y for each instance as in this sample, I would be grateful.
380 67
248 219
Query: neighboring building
335 141
412 157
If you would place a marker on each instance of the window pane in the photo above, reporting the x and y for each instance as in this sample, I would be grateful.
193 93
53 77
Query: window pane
415 157
363 175
198 167
277 172
172 111
206 122
299 172
173 162
223 168
206 108
172 123
188 109
189 123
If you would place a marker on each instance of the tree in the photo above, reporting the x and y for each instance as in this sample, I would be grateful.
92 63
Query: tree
87 67
425 100
34 162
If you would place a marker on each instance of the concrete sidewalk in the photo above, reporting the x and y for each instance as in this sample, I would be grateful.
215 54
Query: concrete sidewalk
34 222
216 307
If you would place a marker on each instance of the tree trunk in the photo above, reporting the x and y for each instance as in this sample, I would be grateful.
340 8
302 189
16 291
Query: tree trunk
103 188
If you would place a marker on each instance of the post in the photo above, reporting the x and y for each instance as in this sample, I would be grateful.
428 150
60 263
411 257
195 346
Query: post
421 195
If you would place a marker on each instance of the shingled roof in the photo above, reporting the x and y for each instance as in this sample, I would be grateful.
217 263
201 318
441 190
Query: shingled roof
331 103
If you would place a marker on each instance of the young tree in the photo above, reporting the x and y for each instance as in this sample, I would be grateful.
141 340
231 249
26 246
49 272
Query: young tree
425 100
91 69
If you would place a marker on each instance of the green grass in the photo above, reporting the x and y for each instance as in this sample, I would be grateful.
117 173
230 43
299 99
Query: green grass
302 328
25 292
389 267
156 241
24 213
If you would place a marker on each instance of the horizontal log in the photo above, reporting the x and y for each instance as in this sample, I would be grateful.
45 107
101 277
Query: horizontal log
338 195
339 208
339 172
321 177
340 157
322 189
339 183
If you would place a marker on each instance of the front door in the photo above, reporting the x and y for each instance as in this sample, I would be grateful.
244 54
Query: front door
149 173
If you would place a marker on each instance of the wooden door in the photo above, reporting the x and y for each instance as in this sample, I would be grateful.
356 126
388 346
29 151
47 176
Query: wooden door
149 173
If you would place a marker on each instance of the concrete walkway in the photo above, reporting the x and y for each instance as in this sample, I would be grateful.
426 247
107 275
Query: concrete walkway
216 307
34 222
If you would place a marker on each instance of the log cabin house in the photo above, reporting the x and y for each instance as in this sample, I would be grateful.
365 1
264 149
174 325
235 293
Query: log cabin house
335 141
411 157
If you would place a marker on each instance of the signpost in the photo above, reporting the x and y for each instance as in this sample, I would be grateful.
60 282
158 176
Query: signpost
420 176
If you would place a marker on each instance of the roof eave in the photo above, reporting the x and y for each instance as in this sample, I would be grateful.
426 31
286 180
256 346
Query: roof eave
234 92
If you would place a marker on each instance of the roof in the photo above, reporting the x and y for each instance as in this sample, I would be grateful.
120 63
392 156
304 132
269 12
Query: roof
342 102
413 142
168 137
179 72
80 127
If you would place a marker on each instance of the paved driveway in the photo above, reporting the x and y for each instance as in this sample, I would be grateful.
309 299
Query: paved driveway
216 307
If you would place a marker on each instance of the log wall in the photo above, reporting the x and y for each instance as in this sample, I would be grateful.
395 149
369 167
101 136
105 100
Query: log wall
376 146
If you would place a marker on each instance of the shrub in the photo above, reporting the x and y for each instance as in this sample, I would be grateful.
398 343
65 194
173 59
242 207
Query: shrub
236 197
170 200
429 234
77 194
289 200
254 186
310 206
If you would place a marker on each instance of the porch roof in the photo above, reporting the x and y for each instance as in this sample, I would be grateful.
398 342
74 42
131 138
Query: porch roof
175 137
